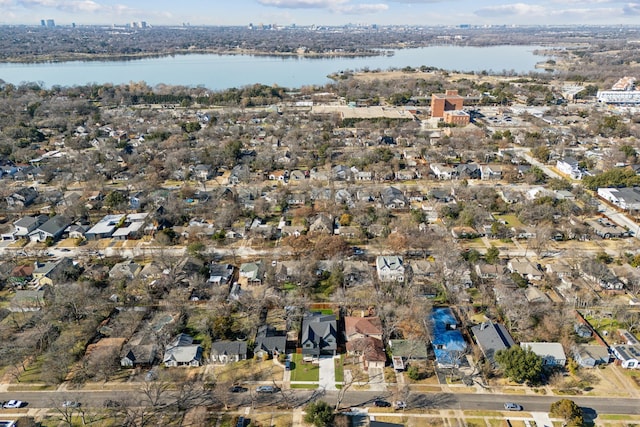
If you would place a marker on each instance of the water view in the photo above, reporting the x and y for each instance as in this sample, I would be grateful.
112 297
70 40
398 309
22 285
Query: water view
225 71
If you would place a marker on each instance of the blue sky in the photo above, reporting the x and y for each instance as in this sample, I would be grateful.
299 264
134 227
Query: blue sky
322 12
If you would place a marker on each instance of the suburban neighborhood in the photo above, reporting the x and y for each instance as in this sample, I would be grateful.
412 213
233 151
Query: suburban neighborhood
262 248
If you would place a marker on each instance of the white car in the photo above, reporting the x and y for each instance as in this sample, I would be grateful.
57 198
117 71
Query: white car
12 404
510 406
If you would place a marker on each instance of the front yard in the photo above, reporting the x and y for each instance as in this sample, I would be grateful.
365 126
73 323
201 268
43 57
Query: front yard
301 371
248 370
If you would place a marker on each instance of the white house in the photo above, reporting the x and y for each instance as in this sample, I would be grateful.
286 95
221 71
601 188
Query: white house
628 355
552 353
569 166
390 268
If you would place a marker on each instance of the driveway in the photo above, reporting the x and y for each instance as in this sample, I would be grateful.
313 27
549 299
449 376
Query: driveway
327 379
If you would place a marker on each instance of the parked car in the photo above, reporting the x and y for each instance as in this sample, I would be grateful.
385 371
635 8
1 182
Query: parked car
381 404
70 404
510 406
241 422
238 389
267 389
12 404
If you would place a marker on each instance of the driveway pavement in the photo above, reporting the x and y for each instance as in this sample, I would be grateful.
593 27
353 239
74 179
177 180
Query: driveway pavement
327 373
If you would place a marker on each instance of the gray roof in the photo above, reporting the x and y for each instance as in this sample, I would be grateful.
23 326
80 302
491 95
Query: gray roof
229 348
492 337
271 344
317 327
55 225
410 349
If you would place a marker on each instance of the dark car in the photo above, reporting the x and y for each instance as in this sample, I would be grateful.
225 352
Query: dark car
238 389
112 404
241 422
382 404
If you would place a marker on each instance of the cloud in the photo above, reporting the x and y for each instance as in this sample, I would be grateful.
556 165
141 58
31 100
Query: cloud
303 4
74 6
631 9
360 9
515 9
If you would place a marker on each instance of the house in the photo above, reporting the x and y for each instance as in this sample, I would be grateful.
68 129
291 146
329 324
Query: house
606 229
468 171
46 273
423 270
569 166
552 353
26 300
442 171
202 172
407 350
53 229
228 351
269 342
393 198
138 356
21 275
322 224
356 272
464 232
489 271
181 351
491 337
390 268
628 355
132 227
22 198
627 199
364 338
361 327
525 268
589 356
319 335
220 274
126 270
370 352
76 231
24 226
105 227
490 172
448 344
251 273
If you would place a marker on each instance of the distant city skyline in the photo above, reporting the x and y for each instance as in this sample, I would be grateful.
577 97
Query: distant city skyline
322 12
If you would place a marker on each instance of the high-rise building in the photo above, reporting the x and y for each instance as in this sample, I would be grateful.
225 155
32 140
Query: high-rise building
51 23
42 23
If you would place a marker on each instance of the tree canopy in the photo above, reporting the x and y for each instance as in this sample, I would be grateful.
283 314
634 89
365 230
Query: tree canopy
616 177
568 410
520 365
319 413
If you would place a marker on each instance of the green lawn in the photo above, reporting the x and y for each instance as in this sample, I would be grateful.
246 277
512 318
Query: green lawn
510 219
339 369
304 371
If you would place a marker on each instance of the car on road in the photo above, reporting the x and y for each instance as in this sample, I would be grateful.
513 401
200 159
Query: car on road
65 250
112 404
238 389
12 404
70 404
510 406
399 404
381 403
267 389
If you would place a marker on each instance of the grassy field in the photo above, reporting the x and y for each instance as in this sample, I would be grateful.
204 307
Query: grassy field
304 371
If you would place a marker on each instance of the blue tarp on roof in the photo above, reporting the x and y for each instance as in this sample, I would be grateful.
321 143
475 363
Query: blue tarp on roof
447 341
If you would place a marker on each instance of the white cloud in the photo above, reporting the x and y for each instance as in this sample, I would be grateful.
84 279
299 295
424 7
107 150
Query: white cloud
517 9
631 9
303 4
360 9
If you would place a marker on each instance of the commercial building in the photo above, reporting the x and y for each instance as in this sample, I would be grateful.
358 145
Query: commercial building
448 101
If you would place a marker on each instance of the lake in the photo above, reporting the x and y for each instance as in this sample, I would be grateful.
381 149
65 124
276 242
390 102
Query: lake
218 72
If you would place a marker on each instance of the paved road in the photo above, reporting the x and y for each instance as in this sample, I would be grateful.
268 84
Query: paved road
464 401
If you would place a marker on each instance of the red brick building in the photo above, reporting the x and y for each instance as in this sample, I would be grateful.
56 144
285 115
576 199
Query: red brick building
448 101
